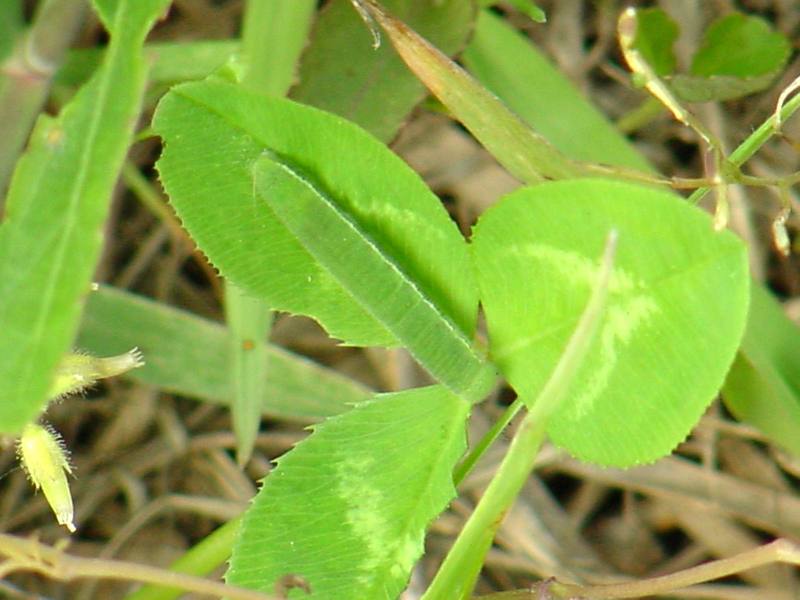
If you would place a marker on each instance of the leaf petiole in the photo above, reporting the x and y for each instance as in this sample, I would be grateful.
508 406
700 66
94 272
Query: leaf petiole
457 575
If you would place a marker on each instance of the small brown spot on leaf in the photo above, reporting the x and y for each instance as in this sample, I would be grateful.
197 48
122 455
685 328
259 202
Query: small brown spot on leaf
289 582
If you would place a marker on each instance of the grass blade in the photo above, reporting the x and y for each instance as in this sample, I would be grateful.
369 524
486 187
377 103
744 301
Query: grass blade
526 154
372 279
190 356
510 66
342 72
59 196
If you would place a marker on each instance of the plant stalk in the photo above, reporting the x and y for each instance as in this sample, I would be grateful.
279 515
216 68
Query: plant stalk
30 555
465 466
26 75
460 569
779 551
753 143
201 559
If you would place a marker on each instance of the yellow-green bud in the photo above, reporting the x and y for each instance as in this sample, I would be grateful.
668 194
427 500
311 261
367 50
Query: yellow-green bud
41 449
44 458
78 371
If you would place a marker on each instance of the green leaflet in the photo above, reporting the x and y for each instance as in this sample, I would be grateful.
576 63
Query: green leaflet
740 45
677 304
50 239
347 508
738 55
757 388
524 6
221 130
170 62
763 385
656 33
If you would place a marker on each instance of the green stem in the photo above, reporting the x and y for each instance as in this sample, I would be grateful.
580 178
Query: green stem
460 569
201 559
640 116
466 465
753 143
25 76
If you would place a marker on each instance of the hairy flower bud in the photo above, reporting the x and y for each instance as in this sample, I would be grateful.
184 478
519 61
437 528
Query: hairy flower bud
78 371
41 449
45 459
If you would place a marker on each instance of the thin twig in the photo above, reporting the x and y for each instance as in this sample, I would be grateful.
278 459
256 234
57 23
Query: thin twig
779 551
51 561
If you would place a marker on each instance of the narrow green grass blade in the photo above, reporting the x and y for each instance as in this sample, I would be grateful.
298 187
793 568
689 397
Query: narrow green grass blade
190 356
372 278
170 62
59 196
274 34
25 74
346 510
527 155
510 66
249 322
342 73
